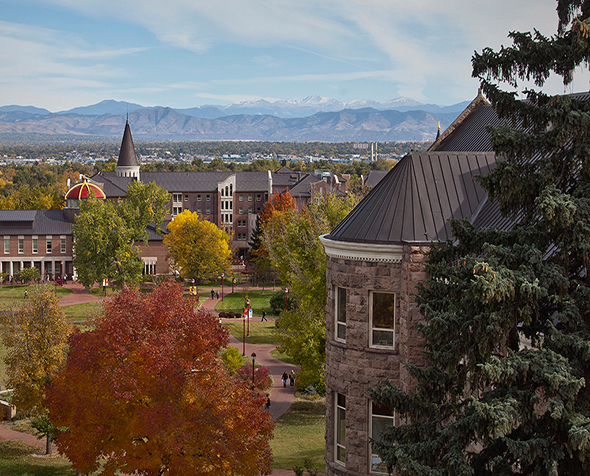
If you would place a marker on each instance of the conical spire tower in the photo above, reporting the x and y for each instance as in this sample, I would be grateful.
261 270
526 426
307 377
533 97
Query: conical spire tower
127 165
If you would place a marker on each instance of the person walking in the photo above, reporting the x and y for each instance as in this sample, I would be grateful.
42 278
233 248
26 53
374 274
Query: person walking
217 294
284 378
292 379
264 316
212 294
267 406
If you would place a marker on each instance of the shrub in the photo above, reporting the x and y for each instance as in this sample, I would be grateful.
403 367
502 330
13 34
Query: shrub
262 378
278 301
233 360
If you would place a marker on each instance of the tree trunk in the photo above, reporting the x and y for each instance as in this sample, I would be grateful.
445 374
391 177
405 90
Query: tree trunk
48 445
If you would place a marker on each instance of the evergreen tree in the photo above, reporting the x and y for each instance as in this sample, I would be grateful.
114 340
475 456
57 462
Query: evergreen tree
507 313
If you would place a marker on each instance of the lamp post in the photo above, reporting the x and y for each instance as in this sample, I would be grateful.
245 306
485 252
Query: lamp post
286 299
222 279
244 334
253 360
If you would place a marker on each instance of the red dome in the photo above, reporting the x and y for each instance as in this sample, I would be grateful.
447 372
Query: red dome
81 191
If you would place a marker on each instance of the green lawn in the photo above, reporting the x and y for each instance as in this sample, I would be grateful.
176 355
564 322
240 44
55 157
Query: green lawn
81 312
299 435
260 332
18 292
235 302
16 460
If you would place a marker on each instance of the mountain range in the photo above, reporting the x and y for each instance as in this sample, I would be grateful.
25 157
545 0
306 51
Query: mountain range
311 119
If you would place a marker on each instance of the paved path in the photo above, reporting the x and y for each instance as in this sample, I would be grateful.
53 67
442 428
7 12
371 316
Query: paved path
281 398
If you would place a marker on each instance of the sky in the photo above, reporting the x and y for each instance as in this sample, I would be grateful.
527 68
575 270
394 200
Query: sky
60 54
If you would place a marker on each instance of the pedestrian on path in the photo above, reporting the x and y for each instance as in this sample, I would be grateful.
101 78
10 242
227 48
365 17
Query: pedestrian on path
284 378
212 294
292 379
264 316
217 294
267 406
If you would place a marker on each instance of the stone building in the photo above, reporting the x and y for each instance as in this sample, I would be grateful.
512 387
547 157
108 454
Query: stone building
375 261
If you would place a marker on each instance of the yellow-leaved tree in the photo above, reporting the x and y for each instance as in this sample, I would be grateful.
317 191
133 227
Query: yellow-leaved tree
36 343
198 247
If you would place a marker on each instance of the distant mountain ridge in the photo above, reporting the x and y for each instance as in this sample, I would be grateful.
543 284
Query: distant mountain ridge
366 124
289 108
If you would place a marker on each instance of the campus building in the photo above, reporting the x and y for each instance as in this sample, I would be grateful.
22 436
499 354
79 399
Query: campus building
375 262
231 200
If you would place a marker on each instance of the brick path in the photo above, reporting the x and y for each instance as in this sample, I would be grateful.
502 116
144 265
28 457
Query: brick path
281 398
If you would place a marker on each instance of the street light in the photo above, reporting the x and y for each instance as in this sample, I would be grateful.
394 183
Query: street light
253 360
286 299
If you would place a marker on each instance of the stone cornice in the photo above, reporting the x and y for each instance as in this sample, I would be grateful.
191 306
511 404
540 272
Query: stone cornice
362 251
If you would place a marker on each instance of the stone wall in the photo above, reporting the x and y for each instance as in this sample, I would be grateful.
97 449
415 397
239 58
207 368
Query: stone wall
352 366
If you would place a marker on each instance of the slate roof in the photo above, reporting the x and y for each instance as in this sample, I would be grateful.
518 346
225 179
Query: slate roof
415 200
127 157
374 177
34 222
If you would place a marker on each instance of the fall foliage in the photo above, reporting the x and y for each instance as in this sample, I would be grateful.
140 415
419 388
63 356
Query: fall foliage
36 341
198 247
147 392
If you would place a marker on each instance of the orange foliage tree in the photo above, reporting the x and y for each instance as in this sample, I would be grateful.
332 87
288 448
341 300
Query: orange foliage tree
147 392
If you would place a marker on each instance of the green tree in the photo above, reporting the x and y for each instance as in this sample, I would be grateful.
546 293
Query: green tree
507 313
29 274
105 234
292 241
36 341
197 247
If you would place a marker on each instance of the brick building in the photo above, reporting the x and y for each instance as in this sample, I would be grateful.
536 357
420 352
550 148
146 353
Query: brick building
375 261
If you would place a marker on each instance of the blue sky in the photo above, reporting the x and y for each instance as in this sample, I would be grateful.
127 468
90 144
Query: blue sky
59 54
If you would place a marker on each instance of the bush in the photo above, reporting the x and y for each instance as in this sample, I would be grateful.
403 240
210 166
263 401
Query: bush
233 360
262 378
278 300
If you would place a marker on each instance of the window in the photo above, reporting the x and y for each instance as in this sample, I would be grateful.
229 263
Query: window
21 245
258 197
249 198
222 192
340 314
381 418
176 211
382 316
48 244
241 198
249 209
340 430
208 198
231 205
62 245
241 210
6 245
198 198
186 198
231 217
208 211
241 223
35 245
177 197
199 211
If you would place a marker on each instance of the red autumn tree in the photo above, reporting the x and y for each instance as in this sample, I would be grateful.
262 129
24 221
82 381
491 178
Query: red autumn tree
278 202
146 392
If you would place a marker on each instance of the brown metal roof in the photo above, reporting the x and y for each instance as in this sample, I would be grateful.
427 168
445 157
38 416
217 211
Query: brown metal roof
127 155
415 200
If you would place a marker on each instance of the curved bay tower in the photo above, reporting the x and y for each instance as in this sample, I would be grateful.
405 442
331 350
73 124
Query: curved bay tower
376 259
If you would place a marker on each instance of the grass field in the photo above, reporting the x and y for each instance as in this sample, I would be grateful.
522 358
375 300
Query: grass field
18 291
81 312
260 332
235 302
16 460
299 435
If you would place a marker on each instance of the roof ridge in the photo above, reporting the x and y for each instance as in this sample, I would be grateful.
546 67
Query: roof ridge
476 103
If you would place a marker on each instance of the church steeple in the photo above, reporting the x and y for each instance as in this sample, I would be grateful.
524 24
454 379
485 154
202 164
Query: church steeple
127 165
